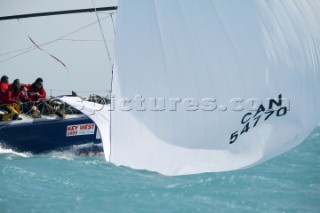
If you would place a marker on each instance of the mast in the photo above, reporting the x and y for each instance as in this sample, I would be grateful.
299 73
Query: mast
31 15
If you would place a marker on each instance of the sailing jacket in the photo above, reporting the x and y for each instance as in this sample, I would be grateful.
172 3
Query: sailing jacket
3 91
13 95
32 89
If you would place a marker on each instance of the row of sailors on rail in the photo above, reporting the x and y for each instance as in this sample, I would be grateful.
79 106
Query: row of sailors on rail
17 98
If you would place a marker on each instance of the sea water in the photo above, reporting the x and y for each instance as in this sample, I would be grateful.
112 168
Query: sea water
63 182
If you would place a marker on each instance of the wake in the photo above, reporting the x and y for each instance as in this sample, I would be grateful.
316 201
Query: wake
11 152
67 154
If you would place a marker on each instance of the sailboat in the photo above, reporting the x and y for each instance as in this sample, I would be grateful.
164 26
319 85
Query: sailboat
210 86
74 131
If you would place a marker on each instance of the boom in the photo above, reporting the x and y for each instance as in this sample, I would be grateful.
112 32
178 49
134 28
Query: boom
31 15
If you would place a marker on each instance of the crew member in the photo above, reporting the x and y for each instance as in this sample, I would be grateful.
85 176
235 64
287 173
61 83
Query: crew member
36 92
12 103
4 83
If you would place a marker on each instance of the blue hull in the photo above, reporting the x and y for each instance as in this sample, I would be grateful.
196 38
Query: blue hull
44 135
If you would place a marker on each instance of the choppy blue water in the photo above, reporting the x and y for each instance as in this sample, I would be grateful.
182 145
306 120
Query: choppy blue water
61 182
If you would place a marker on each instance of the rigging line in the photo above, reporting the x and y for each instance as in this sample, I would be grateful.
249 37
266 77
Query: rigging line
52 56
15 51
102 34
12 57
102 12
80 40
110 91
8 124
92 91
28 49
114 30
85 40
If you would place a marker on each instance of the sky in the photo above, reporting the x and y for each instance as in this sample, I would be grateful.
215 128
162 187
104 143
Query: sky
83 52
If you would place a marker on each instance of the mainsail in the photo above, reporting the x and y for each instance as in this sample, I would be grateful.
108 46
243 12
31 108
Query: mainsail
220 59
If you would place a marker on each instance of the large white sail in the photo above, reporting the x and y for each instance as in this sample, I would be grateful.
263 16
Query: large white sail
211 55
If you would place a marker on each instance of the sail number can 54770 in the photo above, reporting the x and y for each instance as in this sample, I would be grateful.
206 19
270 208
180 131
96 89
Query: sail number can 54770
81 129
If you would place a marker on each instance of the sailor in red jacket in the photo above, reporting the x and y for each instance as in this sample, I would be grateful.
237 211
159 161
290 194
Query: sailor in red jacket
36 98
12 102
4 83
36 92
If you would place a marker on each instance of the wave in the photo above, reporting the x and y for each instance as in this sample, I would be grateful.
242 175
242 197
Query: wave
69 153
11 152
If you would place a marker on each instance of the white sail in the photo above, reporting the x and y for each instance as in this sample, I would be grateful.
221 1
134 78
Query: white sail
214 53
